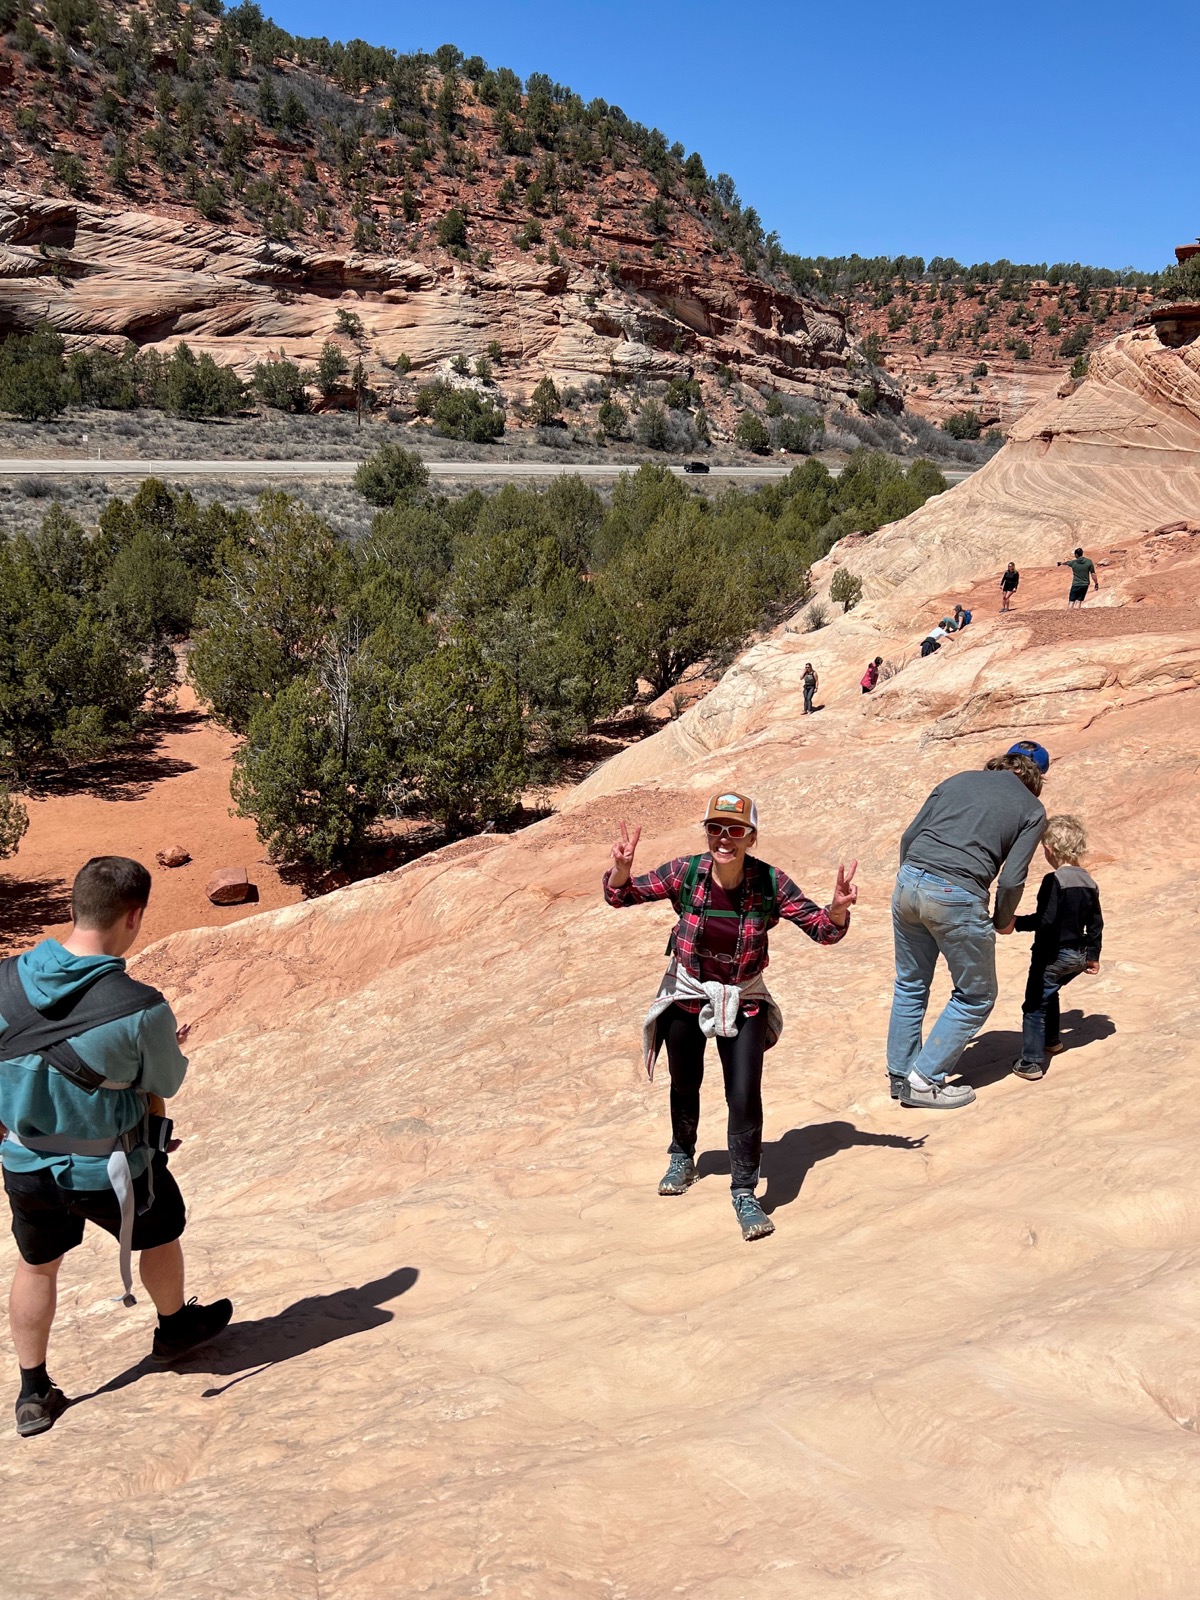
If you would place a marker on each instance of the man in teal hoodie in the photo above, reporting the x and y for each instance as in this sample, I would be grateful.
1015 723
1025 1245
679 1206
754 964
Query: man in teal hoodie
69 1148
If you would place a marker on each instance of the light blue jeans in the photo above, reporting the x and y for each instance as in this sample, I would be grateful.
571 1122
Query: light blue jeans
930 918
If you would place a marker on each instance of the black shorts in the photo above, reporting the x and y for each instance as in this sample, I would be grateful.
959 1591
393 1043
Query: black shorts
1078 592
48 1221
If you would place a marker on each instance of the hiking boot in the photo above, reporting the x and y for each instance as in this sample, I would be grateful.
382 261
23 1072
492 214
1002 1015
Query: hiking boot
39 1412
679 1176
196 1326
1029 1070
931 1096
754 1221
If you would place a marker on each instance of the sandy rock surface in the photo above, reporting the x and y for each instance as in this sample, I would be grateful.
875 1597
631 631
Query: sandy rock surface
477 1355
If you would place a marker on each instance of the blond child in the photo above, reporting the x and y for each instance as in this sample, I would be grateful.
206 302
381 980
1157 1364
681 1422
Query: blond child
1067 929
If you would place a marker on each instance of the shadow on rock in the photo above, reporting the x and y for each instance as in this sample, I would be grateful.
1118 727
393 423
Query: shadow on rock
990 1057
247 1348
786 1162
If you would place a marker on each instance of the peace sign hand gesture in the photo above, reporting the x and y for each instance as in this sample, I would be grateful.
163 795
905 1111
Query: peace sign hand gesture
845 895
622 853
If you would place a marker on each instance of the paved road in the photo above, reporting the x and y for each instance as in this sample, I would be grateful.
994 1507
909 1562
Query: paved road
80 467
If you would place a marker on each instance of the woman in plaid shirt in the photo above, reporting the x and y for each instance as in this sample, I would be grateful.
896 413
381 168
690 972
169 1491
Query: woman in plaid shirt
727 902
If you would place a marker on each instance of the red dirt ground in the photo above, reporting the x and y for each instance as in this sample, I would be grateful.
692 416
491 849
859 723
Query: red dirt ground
175 790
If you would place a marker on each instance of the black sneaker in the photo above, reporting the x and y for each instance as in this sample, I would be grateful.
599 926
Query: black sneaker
1031 1071
39 1412
679 1176
896 1085
197 1325
754 1221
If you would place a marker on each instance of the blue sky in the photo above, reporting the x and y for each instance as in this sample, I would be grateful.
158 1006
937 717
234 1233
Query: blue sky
1056 131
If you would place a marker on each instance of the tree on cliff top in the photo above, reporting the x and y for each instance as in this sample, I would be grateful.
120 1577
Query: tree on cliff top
1181 282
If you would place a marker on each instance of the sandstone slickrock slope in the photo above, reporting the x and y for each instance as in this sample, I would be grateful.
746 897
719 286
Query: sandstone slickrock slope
100 275
477 1355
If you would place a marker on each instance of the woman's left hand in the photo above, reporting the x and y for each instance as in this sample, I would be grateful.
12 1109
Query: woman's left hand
845 894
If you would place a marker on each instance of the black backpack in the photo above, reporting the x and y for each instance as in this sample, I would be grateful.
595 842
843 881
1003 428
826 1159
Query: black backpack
30 1032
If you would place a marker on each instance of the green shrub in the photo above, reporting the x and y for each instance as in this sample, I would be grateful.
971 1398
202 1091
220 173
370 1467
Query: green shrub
14 824
612 417
1181 281
331 368
452 229
845 589
33 382
459 413
391 474
751 433
462 736
280 385
545 402
651 428
962 425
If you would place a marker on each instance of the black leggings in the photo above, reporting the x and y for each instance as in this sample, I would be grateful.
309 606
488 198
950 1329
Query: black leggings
742 1064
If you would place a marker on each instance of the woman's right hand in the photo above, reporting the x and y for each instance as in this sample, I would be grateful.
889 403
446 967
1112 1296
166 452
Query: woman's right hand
622 854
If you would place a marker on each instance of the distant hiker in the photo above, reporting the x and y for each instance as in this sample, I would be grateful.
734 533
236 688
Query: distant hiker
871 676
726 901
949 623
811 684
1010 580
932 641
962 617
971 827
1082 568
83 1054
1067 929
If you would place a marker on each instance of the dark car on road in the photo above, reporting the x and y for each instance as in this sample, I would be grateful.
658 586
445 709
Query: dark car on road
695 466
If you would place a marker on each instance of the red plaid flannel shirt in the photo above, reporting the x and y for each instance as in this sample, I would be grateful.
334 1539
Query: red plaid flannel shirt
750 957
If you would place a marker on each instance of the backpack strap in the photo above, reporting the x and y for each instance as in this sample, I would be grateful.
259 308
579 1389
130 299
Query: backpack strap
31 1032
771 904
686 892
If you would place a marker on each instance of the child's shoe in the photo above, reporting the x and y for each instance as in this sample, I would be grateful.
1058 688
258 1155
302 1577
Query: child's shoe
1030 1070
1055 1049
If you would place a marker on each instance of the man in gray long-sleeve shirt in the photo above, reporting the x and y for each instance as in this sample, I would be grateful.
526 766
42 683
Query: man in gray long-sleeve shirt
972 827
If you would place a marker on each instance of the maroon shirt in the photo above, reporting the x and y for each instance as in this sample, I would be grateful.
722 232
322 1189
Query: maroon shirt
693 947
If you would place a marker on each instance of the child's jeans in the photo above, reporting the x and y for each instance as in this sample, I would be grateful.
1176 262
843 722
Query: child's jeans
1041 1016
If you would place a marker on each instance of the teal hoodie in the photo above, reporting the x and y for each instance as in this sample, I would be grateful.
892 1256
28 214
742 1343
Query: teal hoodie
35 1100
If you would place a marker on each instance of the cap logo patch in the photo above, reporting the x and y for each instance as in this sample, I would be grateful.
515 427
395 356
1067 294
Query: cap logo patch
729 802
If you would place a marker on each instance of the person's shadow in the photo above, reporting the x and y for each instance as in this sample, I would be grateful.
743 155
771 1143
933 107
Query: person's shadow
786 1162
246 1348
990 1057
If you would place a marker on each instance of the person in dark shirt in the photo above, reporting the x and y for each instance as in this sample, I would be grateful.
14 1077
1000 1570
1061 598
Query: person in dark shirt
1010 579
811 685
1067 929
975 828
1082 568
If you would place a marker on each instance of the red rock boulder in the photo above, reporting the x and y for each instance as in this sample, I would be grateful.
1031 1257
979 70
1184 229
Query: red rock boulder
174 856
229 887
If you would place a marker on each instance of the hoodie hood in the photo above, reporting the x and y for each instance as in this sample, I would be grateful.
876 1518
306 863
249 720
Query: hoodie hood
51 974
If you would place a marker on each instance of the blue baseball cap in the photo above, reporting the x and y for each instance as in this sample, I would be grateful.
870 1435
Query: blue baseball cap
1037 753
